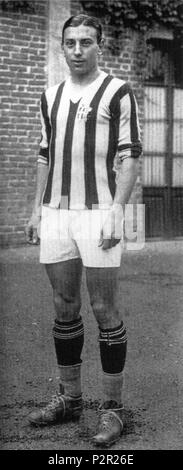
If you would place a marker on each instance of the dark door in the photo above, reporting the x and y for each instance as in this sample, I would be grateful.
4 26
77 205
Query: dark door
163 143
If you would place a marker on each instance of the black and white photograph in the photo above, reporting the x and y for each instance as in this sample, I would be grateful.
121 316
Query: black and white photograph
91 230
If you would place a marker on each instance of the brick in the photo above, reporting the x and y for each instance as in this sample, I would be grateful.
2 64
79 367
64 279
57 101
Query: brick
37 83
37 45
4 79
5 54
38 92
6 41
7 228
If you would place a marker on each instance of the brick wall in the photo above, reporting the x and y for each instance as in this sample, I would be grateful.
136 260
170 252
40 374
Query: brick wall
22 79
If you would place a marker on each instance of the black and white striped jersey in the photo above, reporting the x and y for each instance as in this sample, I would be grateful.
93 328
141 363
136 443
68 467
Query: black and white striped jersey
82 140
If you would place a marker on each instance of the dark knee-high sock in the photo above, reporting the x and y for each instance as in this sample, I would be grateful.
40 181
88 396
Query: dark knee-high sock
69 340
113 346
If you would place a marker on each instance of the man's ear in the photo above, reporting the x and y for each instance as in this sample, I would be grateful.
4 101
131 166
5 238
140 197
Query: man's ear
101 46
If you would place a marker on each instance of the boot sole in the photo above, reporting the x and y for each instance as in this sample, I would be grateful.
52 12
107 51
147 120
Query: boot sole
106 444
57 421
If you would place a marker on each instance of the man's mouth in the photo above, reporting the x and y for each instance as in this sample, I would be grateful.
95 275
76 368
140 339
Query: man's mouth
78 62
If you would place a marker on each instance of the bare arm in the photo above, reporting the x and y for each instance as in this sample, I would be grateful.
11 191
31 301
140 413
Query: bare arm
31 230
125 182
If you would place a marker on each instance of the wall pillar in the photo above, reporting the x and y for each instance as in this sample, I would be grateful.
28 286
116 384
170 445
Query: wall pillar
59 12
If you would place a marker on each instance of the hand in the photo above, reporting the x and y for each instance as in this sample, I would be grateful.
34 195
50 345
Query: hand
31 230
111 232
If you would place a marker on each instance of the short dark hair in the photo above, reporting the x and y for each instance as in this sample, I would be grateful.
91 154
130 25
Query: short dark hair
86 20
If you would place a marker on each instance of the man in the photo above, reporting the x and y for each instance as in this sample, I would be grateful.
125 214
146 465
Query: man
87 168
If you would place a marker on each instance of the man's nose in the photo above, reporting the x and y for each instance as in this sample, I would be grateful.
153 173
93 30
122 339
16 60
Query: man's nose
77 50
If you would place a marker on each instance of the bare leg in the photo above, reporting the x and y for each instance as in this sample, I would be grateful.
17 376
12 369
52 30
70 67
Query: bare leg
65 279
102 286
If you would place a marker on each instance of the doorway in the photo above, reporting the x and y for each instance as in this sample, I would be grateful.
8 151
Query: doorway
163 141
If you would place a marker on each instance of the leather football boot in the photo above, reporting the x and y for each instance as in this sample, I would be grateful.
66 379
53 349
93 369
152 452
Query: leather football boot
110 428
61 408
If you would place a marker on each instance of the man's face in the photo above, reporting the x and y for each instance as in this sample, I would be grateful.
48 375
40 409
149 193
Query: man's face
81 49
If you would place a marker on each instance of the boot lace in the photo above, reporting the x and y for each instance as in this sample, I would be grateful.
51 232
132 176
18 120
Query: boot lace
55 400
106 422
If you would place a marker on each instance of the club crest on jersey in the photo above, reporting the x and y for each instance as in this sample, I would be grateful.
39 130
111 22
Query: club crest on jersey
84 112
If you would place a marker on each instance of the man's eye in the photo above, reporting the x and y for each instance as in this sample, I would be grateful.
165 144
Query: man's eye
70 44
86 43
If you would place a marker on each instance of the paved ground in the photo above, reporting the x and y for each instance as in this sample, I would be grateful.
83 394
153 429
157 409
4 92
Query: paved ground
151 299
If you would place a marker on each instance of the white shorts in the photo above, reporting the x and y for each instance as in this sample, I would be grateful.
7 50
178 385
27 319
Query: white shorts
69 234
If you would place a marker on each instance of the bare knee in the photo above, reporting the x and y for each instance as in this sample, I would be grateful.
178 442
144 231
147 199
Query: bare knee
106 314
67 308
98 307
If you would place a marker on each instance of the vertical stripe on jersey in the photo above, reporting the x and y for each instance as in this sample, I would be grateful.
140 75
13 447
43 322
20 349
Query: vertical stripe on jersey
61 124
133 120
47 195
113 139
77 187
67 152
91 196
114 134
46 128
101 149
